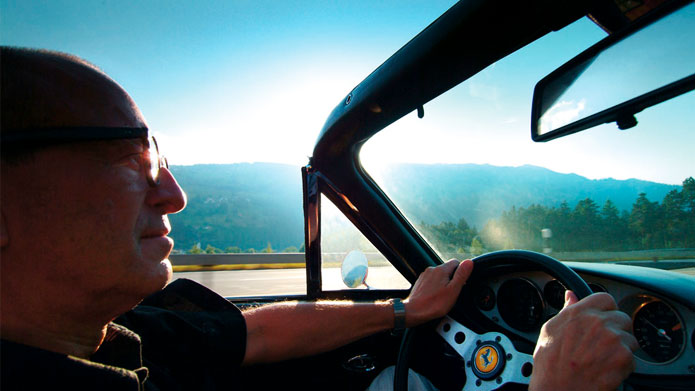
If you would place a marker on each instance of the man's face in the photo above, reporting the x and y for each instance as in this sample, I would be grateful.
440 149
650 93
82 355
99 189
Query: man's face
82 228
90 212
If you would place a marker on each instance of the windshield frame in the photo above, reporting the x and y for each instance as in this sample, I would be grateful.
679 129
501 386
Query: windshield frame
430 64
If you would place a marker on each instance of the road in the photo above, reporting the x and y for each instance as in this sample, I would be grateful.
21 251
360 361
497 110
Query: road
286 281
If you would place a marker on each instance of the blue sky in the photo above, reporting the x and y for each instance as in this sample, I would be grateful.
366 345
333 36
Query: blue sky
230 81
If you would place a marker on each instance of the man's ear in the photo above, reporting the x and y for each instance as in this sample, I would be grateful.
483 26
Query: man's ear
4 237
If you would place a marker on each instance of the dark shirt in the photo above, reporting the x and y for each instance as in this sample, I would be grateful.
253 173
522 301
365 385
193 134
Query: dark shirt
185 337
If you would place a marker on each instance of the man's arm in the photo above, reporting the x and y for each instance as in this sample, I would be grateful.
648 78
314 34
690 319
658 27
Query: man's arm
287 330
587 346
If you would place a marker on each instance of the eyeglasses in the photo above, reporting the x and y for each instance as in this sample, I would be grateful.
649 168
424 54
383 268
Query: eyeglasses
156 161
57 135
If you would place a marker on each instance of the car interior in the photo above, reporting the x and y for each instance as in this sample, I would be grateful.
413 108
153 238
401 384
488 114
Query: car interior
551 142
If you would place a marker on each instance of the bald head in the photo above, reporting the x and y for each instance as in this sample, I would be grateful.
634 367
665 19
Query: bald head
42 89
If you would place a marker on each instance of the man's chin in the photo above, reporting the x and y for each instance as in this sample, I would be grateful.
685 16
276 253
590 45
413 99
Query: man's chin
161 275
155 258
166 264
158 273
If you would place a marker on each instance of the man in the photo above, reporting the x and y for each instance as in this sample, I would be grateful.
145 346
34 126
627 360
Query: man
85 199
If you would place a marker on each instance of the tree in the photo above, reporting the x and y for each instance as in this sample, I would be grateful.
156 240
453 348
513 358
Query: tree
476 247
195 249
674 219
688 194
232 250
449 237
643 221
688 197
587 224
560 222
614 232
212 250
268 249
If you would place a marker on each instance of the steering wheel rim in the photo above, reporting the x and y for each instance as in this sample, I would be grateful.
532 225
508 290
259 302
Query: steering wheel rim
484 265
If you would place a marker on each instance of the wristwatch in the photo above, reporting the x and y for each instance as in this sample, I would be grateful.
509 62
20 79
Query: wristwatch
398 314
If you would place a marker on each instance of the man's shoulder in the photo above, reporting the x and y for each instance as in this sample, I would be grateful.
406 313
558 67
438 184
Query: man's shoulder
193 317
187 328
189 296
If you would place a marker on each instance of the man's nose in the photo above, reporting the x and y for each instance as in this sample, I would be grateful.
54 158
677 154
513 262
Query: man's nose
167 195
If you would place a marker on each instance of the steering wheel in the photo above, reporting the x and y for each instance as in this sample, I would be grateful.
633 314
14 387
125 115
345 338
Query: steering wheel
491 359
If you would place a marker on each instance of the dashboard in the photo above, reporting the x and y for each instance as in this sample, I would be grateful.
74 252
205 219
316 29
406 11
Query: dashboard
661 305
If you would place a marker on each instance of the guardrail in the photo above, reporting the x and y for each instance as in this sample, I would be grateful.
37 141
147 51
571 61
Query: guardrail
243 261
246 261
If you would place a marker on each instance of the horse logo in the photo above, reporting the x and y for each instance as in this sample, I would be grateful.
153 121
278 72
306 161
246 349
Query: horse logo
486 359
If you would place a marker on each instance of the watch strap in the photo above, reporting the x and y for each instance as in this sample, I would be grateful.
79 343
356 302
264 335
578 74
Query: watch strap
398 314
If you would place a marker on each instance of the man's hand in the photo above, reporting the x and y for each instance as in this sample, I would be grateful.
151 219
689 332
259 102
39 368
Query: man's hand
587 346
435 291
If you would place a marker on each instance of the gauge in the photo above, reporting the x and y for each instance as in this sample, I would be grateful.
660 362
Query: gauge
554 293
659 331
485 298
520 304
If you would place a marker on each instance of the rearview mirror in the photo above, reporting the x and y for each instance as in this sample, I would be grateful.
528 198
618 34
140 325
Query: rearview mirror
650 62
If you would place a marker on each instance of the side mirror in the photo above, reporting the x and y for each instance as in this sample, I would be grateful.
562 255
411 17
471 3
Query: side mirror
648 63
354 269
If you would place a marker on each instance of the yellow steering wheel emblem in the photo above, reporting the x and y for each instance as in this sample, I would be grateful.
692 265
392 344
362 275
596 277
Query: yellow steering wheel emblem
486 359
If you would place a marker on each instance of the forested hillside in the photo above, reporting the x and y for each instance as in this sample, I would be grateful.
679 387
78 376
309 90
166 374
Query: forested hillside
258 206
238 207
586 226
447 192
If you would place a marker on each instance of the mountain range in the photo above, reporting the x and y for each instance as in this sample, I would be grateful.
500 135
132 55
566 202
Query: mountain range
256 205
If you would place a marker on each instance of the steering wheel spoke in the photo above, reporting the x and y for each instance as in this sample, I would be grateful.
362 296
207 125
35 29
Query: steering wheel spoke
491 359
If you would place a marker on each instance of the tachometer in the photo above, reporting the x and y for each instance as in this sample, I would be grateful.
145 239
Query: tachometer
659 331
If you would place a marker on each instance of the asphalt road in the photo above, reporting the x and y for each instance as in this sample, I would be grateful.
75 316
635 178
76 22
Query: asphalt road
286 281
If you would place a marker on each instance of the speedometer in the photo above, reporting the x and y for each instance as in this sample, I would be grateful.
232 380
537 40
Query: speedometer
520 304
659 331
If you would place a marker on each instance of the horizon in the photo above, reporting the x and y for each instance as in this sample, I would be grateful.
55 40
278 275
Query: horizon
299 166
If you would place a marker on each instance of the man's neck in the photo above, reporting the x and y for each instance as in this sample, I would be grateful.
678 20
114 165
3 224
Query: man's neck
75 341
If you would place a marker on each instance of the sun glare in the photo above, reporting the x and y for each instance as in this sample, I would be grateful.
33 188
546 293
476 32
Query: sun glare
278 122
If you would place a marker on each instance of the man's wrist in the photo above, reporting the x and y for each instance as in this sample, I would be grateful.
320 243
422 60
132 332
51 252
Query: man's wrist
398 314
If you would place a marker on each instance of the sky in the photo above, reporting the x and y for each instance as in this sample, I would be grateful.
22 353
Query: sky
244 81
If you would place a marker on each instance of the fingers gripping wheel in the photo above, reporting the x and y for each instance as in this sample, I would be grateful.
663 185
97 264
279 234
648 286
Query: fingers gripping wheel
491 359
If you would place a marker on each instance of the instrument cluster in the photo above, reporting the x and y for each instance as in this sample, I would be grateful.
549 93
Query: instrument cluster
522 302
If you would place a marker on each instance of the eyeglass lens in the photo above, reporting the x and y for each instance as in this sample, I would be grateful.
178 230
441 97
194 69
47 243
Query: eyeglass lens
156 161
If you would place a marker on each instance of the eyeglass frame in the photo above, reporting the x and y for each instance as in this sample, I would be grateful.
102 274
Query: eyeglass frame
48 135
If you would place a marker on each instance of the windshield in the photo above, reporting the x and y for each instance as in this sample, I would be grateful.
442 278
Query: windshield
470 180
